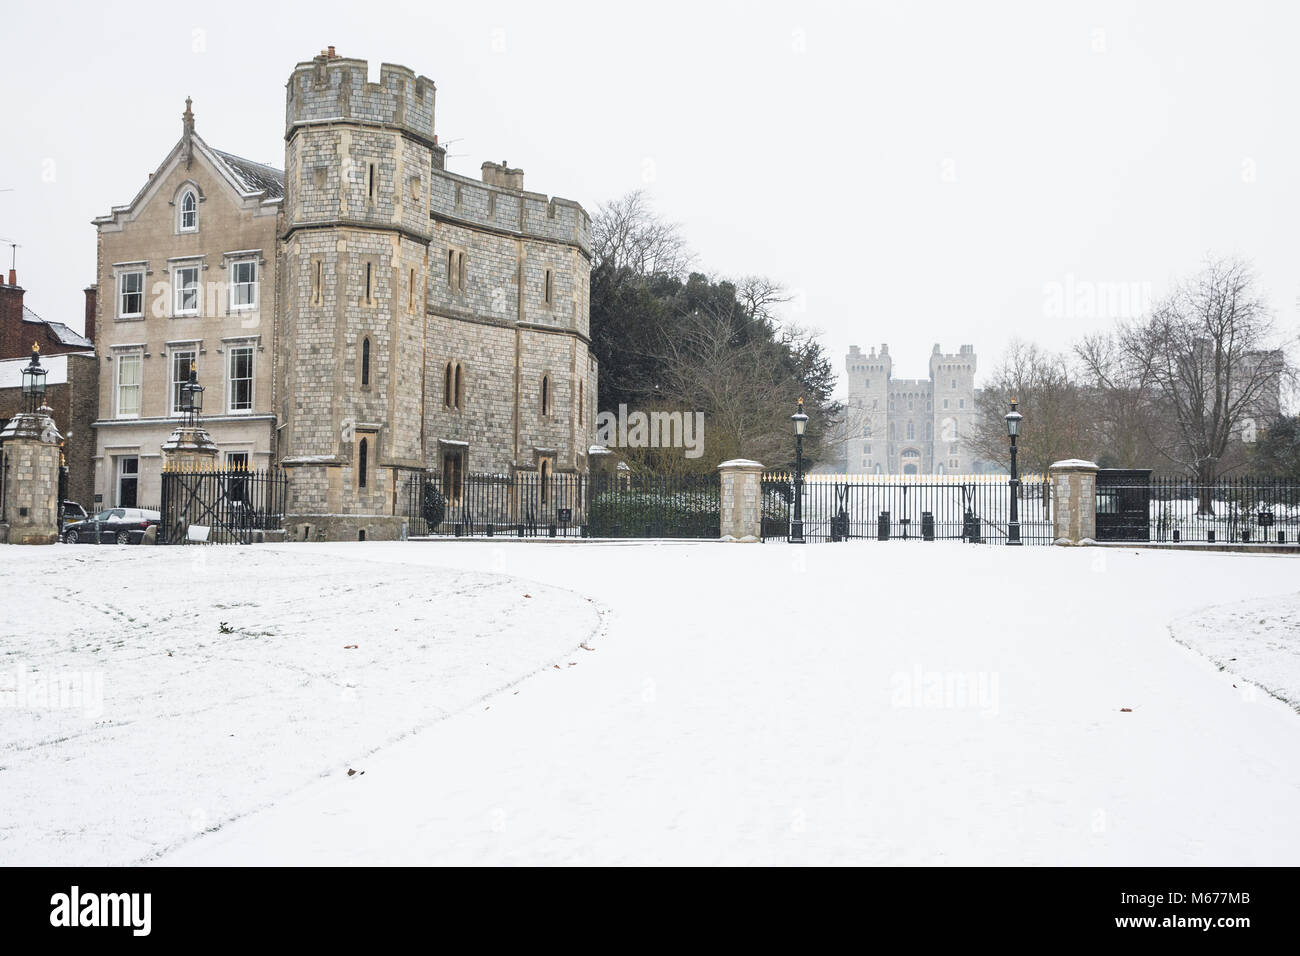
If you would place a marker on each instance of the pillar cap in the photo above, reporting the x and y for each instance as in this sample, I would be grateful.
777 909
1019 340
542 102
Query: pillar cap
740 464
1074 464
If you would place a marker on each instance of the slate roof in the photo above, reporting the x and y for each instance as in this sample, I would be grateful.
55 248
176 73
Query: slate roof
254 177
60 331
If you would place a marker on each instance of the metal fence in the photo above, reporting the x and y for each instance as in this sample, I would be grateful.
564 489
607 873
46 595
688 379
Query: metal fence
1239 510
973 508
229 506
528 504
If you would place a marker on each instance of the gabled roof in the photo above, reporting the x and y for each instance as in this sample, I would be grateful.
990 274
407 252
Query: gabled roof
253 182
61 332
254 177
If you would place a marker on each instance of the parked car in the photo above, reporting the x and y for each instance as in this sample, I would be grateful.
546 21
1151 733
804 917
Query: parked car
114 526
71 511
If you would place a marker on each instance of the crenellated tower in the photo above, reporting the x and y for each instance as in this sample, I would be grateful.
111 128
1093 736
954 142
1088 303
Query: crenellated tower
354 261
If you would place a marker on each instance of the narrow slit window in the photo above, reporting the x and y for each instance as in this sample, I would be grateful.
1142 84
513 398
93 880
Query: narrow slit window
372 182
446 386
365 361
363 455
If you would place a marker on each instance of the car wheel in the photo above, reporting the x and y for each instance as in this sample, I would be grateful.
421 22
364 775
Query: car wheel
123 537
70 537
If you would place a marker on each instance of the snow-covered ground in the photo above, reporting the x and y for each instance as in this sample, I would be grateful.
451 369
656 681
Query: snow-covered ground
148 694
900 702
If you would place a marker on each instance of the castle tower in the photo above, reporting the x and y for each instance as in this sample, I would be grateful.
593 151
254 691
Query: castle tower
953 382
354 261
867 418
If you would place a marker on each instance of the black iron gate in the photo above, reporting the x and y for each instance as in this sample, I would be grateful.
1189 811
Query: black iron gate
230 506
973 508
527 504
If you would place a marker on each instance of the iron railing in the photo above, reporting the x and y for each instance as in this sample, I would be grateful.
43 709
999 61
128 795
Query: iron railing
228 506
527 504
973 508
1241 510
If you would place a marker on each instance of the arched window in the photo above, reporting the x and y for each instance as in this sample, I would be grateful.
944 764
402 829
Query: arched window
189 211
460 386
545 471
363 456
447 386
581 390
365 361
546 396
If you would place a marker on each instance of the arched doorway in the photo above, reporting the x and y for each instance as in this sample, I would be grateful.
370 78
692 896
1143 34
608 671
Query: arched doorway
910 460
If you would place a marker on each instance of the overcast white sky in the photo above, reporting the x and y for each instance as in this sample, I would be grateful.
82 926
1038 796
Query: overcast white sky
918 172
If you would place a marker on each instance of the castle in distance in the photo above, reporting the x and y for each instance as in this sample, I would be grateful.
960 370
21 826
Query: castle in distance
909 426
361 317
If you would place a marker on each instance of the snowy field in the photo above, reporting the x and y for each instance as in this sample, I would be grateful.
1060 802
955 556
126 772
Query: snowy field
896 703
148 694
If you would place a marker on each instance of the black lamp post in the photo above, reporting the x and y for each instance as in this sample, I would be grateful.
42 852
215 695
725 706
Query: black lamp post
800 423
192 398
34 381
1013 429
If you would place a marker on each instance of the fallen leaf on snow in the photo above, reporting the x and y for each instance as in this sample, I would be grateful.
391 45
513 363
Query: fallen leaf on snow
349 647
1126 710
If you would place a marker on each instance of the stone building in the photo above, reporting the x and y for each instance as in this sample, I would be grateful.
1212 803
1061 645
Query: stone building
186 276
909 426
403 318
72 380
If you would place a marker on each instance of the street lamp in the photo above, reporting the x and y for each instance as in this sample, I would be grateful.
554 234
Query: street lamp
1013 430
34 381
800 423
192 398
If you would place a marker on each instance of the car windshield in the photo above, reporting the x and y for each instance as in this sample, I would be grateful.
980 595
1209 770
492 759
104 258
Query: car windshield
103 515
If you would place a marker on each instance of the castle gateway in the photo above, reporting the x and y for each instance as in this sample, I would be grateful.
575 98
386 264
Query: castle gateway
910 426
361 317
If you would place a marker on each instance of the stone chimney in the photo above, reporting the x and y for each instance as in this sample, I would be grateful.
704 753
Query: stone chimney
500 174
92 303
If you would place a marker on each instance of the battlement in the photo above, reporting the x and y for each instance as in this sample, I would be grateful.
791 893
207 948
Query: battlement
498 201
334 89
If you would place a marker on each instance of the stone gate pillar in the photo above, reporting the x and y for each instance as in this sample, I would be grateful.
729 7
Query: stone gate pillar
1074 502
741 500
29 454
189 449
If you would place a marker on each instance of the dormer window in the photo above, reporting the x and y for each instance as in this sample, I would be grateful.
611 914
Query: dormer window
189 212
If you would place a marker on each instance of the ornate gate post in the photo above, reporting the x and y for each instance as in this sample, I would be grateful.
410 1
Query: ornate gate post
741 500
1074 502
29 454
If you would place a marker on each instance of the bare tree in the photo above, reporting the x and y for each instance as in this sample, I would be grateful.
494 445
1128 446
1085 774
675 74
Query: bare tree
1056 424
627 234
1208 359
758 296
1118 401
742 384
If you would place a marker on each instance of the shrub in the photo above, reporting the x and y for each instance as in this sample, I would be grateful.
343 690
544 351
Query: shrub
435 505
628 514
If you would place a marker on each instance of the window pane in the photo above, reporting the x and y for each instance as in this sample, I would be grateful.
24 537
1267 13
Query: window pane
181 362
128 385
241 379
